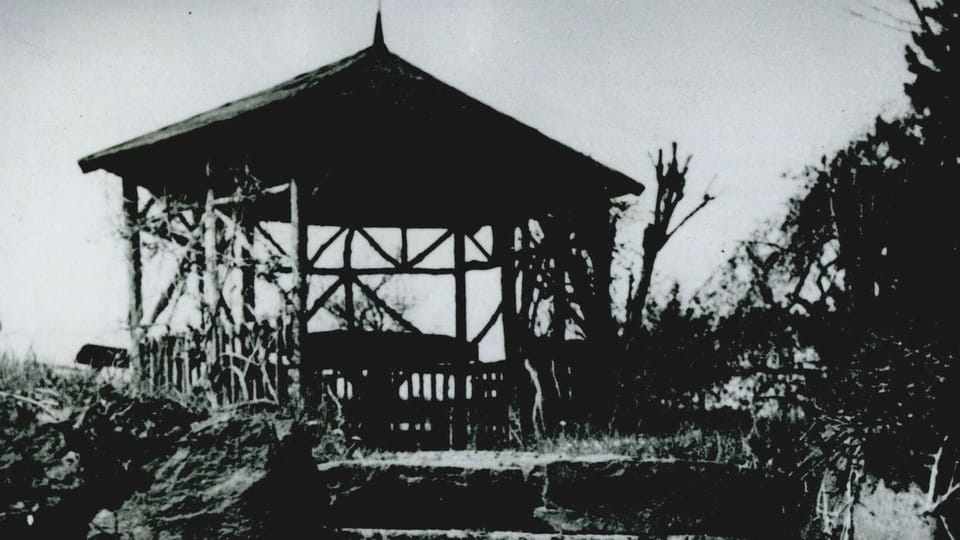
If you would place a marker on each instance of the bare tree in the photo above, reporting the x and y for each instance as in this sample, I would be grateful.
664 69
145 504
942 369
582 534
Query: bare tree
671 183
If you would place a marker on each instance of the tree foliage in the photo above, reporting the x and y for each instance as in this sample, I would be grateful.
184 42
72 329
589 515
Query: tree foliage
860 281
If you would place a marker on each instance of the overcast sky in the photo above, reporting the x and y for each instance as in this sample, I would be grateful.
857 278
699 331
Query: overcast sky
753 89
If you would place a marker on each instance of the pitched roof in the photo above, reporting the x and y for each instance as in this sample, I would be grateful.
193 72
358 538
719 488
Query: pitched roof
373 123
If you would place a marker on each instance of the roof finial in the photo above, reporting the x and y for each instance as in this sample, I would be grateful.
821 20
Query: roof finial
378 42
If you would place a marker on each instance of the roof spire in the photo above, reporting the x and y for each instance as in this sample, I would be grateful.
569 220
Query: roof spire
378 42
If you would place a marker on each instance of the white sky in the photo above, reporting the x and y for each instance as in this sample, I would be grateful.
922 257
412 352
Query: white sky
753 88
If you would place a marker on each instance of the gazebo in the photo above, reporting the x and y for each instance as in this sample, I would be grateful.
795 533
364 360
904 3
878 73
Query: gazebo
367 143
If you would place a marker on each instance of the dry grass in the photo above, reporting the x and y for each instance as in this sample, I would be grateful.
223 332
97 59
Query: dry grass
687 443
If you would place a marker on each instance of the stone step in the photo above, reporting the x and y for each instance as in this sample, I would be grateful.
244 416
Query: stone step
455 534
551 494
255 477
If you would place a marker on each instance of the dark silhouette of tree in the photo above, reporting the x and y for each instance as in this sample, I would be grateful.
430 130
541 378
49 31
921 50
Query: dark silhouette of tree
864 272
678 362
671 184
656 352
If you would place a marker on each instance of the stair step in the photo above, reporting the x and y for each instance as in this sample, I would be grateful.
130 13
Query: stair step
550 495
458 534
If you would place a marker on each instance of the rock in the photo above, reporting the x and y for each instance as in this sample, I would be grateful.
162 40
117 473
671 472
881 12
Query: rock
459 534
103 525
395 495
232 476
60 474
590 495
668 497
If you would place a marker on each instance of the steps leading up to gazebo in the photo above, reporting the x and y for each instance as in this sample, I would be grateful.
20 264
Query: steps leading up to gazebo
475 494
421 534
256 476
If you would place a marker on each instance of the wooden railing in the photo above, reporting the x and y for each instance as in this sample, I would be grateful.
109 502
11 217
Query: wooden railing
250 364
394 390
403 390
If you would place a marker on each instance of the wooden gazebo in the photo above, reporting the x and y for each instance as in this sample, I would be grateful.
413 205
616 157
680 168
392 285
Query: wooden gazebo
370 141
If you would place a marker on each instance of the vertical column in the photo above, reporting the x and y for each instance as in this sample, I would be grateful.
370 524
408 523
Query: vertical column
503 245
600 233
298 335
244 309
248 267
526 322
348 277
211 289
198 264
528 277
556 240
599 386
503 252
459 426
131 212
556 244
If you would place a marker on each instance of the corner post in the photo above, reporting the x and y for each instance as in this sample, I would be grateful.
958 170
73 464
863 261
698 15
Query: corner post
211 290
503 246
459 427
557 242
348 278
244 303
131 212
247 222
504 239
299 330
525 385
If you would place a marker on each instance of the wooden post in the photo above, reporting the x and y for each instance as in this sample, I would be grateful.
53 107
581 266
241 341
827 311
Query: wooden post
598 233
198 266
244 305
503 245
211 289
527 287
131 211
556 400
249 268
404 247
459 427
526 322
556 244
503 251
348 277
298 335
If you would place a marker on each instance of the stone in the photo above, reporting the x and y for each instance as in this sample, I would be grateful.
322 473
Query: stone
537 493
668 497
61 469
232 476
397 495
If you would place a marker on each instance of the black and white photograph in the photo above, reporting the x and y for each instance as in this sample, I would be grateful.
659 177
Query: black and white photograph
479 270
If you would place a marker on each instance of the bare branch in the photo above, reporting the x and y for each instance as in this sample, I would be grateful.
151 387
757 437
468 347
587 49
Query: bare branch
921 16
50 411
934 470
946 528
707 198
870 20
888 14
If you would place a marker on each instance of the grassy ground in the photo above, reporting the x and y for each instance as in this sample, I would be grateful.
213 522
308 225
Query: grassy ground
39 392
39 403
688 443
30 390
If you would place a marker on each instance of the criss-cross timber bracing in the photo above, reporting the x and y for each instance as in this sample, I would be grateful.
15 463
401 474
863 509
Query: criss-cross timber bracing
261 194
